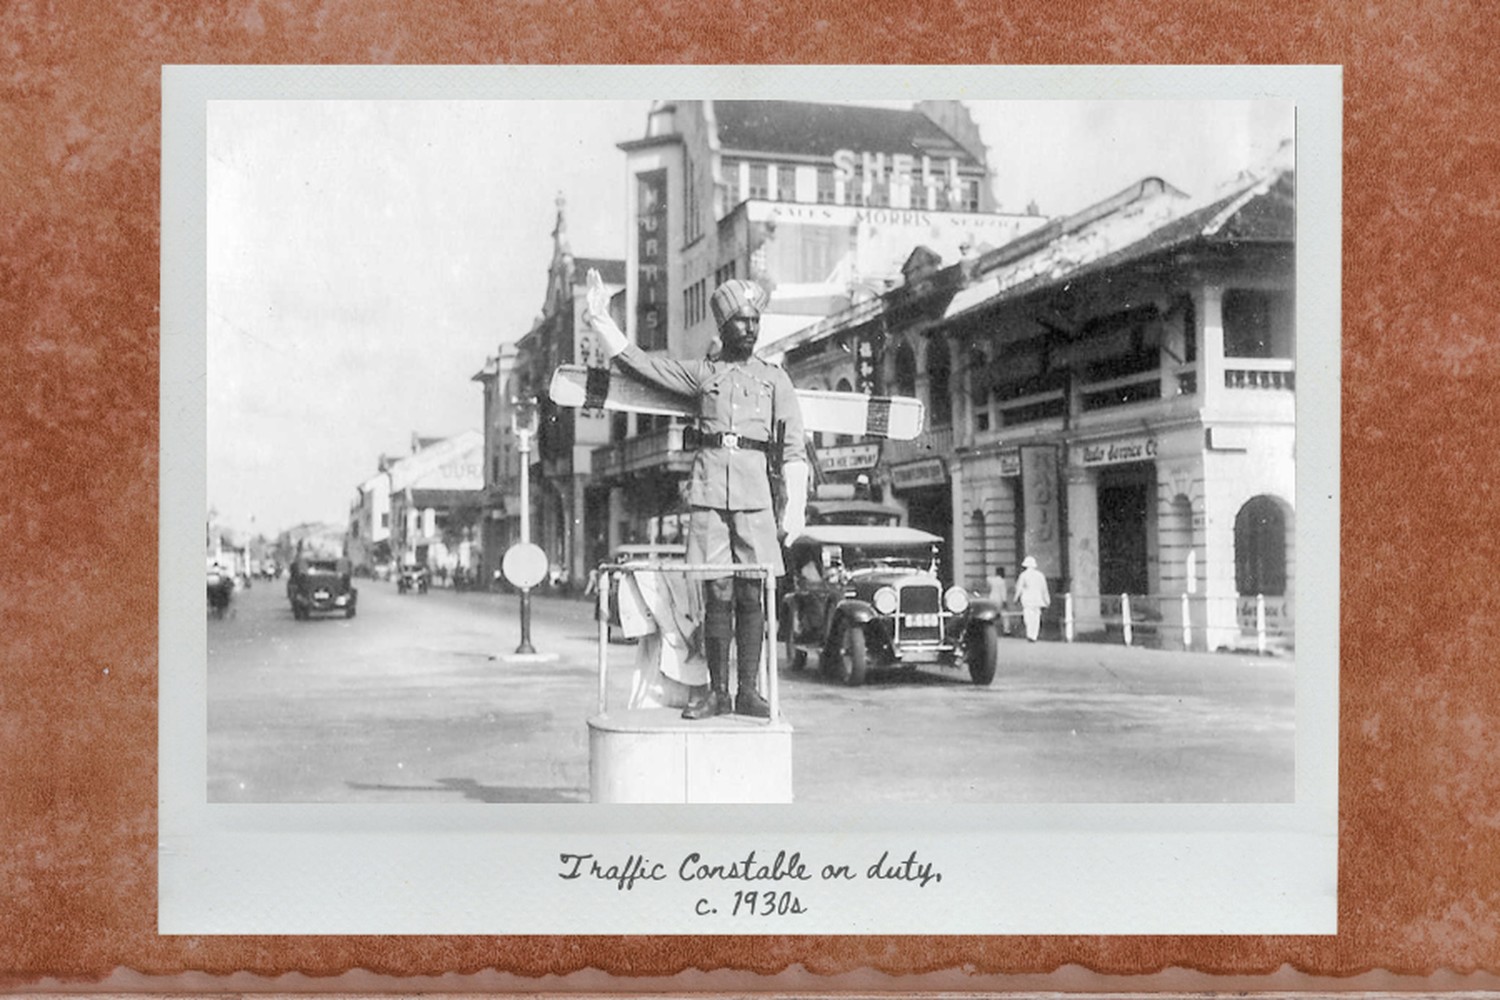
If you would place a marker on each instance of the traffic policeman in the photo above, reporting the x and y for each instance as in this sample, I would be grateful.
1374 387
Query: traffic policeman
748 419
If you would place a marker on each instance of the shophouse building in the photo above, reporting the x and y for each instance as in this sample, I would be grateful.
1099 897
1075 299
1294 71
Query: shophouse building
824 205
1112 394
368 543
437 503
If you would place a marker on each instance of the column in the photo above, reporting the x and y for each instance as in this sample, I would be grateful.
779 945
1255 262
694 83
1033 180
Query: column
1083 548
1217 533
1208 303
959 556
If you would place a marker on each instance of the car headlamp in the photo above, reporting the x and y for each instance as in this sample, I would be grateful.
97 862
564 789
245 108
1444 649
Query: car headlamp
885 601
956 600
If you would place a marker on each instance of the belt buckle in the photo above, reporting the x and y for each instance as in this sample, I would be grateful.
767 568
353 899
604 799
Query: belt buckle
730 441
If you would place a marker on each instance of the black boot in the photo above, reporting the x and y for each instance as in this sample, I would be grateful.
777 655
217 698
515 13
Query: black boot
749 636
715 699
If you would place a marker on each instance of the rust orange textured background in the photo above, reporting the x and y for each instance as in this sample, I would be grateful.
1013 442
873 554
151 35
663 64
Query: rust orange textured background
1420 751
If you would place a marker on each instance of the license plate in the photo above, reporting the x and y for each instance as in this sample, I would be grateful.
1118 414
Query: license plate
321 595
922 621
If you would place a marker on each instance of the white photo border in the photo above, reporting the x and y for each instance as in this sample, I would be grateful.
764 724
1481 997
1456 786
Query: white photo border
476 869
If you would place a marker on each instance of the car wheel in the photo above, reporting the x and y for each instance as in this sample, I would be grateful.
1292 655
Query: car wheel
349 611
298 613
796 658
983 653
850 663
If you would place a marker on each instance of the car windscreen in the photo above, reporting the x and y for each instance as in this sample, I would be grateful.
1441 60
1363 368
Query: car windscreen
321 567
877 556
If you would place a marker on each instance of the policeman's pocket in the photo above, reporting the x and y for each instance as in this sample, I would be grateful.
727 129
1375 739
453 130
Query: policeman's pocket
763 396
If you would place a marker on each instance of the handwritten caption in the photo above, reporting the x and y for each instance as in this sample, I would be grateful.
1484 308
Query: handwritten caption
754 885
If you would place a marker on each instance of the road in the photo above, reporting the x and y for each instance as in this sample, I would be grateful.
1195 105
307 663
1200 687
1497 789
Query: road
414 701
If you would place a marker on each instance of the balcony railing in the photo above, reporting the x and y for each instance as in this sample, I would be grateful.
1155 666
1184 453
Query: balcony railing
659 449
1140 387
1260 373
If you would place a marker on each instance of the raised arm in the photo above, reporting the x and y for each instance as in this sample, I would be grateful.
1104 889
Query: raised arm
668 373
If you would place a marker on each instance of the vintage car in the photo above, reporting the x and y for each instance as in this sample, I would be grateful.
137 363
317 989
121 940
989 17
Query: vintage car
412 580
864 598
220 589
321 584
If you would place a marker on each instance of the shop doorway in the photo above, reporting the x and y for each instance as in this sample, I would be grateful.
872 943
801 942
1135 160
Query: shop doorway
930 509
1124 563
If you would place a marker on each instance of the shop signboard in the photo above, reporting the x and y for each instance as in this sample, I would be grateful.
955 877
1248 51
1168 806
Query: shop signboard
1041 507
814 257
849 457
1141 448
864 366
927 472
651 260
1010 464
1278 614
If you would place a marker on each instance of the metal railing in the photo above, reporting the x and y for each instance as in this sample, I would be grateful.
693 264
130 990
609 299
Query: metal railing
1138 615
768 596
662 446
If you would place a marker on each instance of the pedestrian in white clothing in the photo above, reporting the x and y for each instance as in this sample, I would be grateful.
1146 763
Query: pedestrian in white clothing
1032 595
1000 595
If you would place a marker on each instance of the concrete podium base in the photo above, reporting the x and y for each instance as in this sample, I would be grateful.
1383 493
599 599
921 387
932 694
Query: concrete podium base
655 755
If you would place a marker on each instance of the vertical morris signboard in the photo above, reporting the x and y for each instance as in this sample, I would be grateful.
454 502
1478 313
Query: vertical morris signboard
865 367
1042 507
651 260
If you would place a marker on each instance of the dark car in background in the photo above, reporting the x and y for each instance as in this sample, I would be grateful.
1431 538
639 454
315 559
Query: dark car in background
864 598
321 585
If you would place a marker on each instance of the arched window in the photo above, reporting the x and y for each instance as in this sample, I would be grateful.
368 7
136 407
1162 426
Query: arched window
939 374
979 387
1260 548
906 370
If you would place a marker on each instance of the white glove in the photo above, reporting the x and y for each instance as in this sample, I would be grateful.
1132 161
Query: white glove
794 518
596 315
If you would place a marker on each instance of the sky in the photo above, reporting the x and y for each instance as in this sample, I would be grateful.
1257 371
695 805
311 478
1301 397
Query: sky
365 257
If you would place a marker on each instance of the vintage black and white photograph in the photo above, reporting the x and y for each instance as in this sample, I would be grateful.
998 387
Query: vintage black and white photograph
981 416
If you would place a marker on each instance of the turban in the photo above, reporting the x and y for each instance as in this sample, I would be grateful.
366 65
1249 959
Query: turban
735 297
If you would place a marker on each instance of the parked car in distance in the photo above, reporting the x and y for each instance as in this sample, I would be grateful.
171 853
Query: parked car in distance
220 589
320 585
412 579
658 552
862 598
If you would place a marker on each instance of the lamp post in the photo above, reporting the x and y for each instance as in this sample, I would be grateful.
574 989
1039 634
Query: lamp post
523 424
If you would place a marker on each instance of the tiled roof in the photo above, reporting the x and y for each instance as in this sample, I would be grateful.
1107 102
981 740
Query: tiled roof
821 129
1260 211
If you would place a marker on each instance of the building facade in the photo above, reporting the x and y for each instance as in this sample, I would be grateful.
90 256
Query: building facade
562 440
824 205
1112 394
437 503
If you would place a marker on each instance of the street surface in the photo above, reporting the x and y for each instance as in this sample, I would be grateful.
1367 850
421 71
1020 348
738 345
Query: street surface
413 701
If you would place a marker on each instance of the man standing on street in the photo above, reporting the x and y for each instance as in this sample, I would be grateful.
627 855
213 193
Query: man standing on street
1000 596
1032 595
749 420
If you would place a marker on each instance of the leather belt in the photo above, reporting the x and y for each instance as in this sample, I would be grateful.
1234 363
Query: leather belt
732 441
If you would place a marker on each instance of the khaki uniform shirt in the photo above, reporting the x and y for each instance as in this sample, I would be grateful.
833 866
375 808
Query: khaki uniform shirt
747 398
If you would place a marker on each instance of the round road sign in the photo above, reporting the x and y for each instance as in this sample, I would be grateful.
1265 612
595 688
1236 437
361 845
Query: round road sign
524 565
